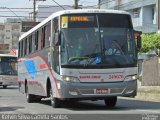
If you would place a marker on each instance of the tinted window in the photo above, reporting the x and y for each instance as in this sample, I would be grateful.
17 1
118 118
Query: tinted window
115 21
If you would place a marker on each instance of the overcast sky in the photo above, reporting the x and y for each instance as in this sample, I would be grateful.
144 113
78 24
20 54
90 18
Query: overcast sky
29 4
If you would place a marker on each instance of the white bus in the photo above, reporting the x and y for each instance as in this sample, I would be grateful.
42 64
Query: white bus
8 70
79 55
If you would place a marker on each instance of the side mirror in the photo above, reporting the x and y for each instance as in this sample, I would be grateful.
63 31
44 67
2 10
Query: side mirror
137 37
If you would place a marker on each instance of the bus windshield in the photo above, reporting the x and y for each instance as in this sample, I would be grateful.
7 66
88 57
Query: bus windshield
97 40
8 66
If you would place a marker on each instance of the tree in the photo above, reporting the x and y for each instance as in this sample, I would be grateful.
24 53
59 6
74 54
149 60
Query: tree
150 41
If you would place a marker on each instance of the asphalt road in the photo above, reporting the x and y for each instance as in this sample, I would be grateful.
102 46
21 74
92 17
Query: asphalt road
14 102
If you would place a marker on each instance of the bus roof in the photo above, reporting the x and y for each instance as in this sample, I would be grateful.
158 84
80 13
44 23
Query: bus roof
78 11
7 55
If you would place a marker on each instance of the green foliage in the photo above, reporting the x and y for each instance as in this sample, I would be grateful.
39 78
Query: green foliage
150 41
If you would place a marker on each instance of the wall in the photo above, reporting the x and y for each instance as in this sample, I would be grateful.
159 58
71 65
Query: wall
151 72
145 22
9 33
158 16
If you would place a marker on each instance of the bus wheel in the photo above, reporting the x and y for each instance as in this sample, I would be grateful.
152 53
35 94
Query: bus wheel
29 97
38 99
4 86
110 101
55 102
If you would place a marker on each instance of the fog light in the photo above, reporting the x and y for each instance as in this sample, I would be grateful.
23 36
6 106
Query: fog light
70 79
73 93
131 77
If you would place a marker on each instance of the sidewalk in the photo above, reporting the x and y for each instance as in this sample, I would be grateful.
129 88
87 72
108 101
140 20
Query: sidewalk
149 93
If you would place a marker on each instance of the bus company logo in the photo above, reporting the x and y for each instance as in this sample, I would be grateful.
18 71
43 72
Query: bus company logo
89 77
114 76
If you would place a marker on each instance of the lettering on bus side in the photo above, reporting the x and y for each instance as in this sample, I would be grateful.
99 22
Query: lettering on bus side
43 66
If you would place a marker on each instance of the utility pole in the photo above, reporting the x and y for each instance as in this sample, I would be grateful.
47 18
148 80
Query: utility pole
76 4
159 15
34 9
99 3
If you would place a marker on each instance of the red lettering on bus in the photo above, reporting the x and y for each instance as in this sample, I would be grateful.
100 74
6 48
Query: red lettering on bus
116 76
90 77
42 66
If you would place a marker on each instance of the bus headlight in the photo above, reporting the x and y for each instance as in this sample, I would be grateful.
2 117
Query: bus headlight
70 79
131 77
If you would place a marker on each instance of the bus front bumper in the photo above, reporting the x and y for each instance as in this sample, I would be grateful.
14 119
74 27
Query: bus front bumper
7 80
98 90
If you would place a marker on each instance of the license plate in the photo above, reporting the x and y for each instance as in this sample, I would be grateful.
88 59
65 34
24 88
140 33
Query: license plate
101 91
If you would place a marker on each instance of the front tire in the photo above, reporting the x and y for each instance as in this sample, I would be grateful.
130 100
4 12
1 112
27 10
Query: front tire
111 101
29 97
55 102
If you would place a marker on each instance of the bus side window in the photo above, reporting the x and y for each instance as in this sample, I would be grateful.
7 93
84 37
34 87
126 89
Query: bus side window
30 44
55 31
25 46
48 34
22 48
19 49
55 58
43 37
33 42
36 41
39 39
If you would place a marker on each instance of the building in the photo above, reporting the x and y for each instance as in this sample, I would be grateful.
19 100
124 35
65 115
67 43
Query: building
43 11
144 12
10 32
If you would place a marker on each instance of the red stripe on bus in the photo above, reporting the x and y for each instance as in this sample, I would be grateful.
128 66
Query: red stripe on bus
37 55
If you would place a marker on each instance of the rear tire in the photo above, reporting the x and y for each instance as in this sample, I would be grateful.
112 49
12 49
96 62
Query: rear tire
29 97
55 102
4 86
110 101
37 99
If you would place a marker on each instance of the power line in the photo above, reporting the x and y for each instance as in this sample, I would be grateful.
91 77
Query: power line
16 8
11 16
18 16
58 4
39 7
12 12
15 11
